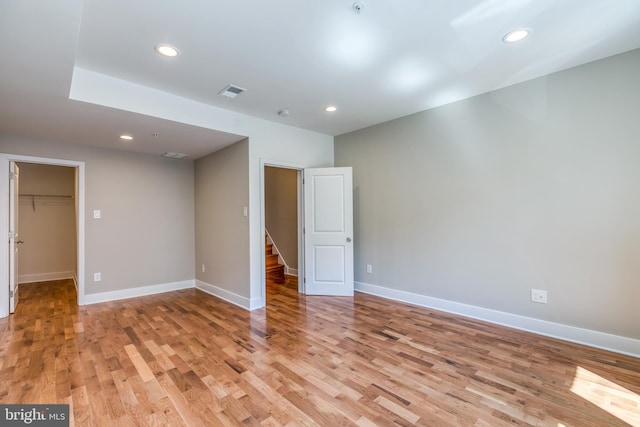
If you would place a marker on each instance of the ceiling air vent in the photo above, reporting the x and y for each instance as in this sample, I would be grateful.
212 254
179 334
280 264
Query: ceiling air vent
231 91
175 155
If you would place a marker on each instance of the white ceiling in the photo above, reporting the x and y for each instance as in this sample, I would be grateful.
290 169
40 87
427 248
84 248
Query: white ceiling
393 59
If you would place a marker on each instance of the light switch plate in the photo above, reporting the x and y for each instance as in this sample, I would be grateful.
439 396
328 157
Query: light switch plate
97 214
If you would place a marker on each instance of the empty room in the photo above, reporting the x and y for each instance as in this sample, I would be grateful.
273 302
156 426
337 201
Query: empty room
354 213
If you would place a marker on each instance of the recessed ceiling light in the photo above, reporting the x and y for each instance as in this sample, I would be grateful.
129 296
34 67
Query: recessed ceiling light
126 137
516 35
330 109
167 50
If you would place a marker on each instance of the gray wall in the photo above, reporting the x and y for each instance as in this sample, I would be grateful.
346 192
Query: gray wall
222 231
532 186
47 225
146 234
281 211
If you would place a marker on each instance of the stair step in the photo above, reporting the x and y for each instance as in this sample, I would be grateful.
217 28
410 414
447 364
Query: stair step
274 270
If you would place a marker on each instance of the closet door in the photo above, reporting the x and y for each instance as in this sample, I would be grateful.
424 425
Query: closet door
14 238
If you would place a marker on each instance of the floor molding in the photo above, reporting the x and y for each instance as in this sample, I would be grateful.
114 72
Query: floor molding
291 271
137 292
45 277
616 343
233 298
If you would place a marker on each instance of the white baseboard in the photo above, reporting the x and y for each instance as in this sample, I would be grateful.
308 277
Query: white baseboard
616 343
233 298
256 303
45 277
137 292
291 271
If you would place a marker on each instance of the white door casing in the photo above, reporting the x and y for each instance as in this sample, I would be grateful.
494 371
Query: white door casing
5 160
328 236
14 173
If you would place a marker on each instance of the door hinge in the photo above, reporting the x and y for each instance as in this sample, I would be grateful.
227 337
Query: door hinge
10 294
11 175
11 235
304 280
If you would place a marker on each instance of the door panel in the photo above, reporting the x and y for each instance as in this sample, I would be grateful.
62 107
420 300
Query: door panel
328 231
328 204
14 240
330 266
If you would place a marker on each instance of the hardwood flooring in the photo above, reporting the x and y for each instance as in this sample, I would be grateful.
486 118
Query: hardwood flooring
186 359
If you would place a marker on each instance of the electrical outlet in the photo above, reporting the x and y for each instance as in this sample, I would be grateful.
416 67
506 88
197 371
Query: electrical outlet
538 295
369 268
97 277
203 268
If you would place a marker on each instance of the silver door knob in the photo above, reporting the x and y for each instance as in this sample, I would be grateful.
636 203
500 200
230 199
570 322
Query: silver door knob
348 239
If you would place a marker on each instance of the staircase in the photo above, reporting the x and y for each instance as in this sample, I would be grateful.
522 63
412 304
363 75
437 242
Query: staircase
275 271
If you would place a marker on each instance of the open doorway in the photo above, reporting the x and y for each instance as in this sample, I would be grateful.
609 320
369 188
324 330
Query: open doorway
39 200
48 224
325 209
281 221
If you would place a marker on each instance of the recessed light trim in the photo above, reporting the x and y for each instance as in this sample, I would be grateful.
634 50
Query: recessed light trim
167 50
330 108
126 137
516 35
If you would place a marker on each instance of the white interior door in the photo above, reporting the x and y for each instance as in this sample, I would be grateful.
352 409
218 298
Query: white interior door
14 174
328 214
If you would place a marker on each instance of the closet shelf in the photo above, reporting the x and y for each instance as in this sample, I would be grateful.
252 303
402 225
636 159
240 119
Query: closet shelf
47 195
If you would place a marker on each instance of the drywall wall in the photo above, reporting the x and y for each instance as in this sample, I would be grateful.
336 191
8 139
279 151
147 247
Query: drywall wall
146 233
269 143
281 211
222 230
47 220
531 186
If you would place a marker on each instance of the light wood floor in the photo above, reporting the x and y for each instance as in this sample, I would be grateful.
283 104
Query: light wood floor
187 358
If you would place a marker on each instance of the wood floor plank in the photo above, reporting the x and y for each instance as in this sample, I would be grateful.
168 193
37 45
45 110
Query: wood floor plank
186 358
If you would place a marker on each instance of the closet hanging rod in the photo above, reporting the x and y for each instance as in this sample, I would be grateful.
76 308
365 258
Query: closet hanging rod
46 195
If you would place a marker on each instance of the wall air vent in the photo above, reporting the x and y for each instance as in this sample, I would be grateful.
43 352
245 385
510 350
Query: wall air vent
231 91
175 155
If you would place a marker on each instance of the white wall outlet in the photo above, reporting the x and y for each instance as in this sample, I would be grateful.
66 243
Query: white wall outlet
369 268
203 268
538 295
97 277
97 214
245 211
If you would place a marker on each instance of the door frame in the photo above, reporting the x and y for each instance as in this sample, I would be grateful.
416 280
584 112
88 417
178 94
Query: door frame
300 202
5 158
